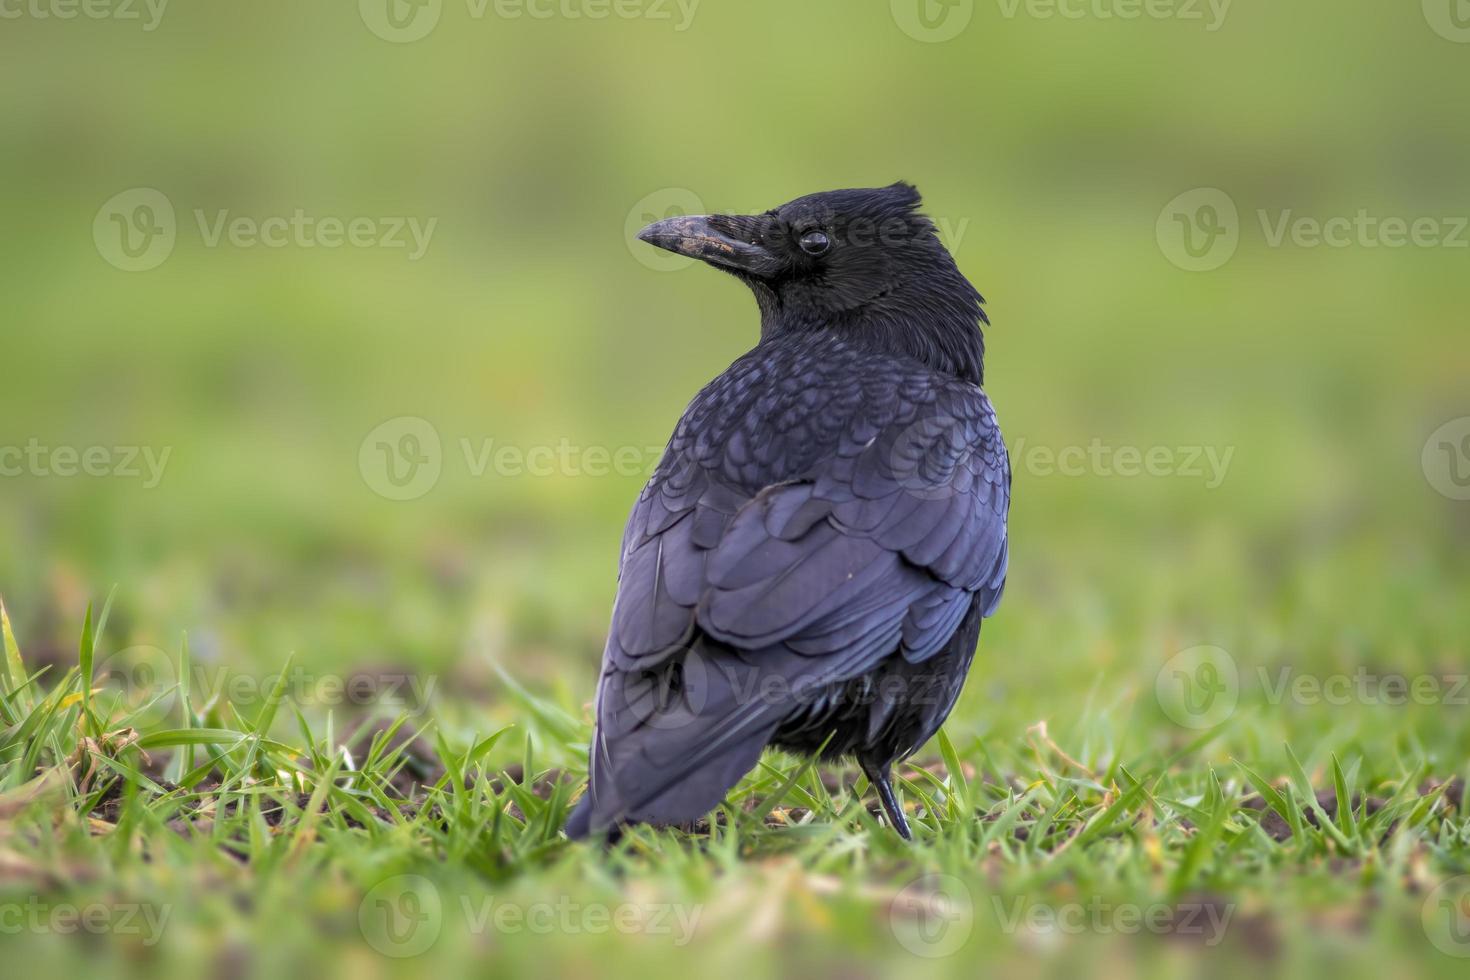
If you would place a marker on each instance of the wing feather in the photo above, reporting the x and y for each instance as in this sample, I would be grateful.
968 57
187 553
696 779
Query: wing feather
750 560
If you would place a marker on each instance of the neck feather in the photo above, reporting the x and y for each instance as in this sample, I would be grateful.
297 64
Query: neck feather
941 329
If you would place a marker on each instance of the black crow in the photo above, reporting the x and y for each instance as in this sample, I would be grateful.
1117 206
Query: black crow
810 563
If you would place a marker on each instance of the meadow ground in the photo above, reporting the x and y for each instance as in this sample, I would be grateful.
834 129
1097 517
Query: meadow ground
346 516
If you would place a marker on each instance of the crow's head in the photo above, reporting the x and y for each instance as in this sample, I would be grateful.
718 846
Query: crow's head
865 263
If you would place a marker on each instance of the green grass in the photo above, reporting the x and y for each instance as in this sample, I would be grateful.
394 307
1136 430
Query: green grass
246 807
248 838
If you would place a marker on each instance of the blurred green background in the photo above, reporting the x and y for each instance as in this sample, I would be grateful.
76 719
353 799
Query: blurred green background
1064 156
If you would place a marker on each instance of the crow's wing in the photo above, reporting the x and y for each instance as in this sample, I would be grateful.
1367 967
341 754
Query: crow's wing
732 602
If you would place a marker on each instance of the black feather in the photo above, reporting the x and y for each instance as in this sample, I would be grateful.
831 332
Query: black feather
811 560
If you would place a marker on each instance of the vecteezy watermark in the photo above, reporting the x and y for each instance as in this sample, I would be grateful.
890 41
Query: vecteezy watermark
403 458
1363 230
1200 230
405 21
678 202
935 21
405 692
562 458
932 21
1363 686
664 203
304 230
145 920
1445 916
1204 921
138 684
932 916
401 21
136 230
401 916
149 13
405 915
141 684
1450 19
35 459
1210 13
1446 459
671 693
1199 687
1209 464
565 916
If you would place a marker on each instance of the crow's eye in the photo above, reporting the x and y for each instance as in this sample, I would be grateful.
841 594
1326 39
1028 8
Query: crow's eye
815 243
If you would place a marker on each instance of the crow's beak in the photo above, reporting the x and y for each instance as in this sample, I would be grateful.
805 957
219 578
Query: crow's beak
717 239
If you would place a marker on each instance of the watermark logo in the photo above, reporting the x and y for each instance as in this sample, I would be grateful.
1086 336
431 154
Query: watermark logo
1446 459
140 686
678 202
671 696
931 458
406 21
1199 230
1201 687
402 458
671 693
135 230
932 21
138 683
1445 916
667 202
932 916
400 21
1198 688
1450 19
402 916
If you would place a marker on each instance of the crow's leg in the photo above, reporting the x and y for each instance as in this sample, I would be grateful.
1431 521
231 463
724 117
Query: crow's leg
878 775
